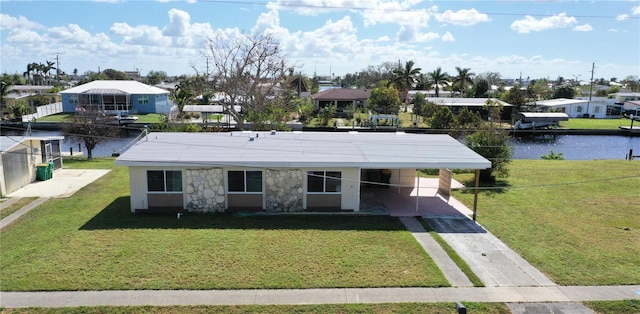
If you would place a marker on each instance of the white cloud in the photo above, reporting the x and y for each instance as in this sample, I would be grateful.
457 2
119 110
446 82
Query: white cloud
397 13
24 36
583 28
635 10
448 37
178 23
531 24
462 17
414 34
141 35
8 22
622 17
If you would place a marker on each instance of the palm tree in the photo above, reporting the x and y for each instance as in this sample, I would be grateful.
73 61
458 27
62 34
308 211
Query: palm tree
463 79
438 78
405 77
46 68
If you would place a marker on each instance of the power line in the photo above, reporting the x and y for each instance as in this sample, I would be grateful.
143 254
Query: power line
416 10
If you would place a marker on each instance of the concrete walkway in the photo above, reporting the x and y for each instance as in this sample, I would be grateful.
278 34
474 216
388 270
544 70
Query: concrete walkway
11 218
315 296
489 258
449 269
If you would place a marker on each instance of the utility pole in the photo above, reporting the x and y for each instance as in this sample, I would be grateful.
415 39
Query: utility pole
57 67
593 67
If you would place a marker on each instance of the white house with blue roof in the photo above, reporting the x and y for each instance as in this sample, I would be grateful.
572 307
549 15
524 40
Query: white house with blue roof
116 97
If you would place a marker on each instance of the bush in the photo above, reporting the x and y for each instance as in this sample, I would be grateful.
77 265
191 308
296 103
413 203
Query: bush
552 156
492 144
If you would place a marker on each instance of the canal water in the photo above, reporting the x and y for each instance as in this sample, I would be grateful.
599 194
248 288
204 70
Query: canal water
576 147
572 147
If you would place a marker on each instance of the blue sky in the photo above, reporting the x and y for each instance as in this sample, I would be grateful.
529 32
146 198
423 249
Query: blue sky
538 39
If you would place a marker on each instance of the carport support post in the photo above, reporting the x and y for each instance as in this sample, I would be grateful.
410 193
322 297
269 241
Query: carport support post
475 195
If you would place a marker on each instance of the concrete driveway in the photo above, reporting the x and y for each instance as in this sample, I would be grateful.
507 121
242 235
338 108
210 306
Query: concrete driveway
64 183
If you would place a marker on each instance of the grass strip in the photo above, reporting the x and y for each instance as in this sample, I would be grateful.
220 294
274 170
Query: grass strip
8 210
576 221
615 307
464 267
382 308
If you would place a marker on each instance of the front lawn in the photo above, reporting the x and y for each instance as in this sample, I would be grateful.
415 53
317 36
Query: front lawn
91 241
594 124
576 221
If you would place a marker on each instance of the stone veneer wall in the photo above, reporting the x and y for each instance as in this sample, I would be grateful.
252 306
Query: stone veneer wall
284 190
205 190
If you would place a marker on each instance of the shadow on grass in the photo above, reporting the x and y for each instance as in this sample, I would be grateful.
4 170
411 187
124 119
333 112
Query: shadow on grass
487 188
117 215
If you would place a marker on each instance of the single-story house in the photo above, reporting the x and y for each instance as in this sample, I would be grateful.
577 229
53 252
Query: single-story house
579 108
31 95
281 171
116 97
20 156
625 96
430 93
474 104
342 98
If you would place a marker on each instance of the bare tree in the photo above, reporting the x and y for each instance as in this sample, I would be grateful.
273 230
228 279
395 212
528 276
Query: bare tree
90 128
249 70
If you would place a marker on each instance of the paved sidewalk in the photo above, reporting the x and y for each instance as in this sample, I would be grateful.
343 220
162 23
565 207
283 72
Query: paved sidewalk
315 296
449 269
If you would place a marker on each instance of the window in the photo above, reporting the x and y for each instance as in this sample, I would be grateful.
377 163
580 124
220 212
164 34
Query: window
579 109
164 181
245 181
73 99
324 181
143 100
596 109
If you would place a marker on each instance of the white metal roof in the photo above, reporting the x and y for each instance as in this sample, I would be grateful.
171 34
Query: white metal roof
9 142
303 149
128 87
208 108
542 116
464 102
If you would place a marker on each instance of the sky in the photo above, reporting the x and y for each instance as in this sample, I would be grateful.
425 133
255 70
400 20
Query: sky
527 39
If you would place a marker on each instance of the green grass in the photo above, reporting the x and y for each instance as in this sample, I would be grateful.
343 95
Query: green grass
92 241
383 308
576 221
59 117
615 307
148 117
594 124
8 210
464 267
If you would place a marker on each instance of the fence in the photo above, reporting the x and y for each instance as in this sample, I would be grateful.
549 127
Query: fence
43 111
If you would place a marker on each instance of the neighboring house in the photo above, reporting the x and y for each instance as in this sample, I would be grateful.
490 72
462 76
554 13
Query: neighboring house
280 171
622 97
21 154
342 98
473 104
31 95
430 93
581 108
116 97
